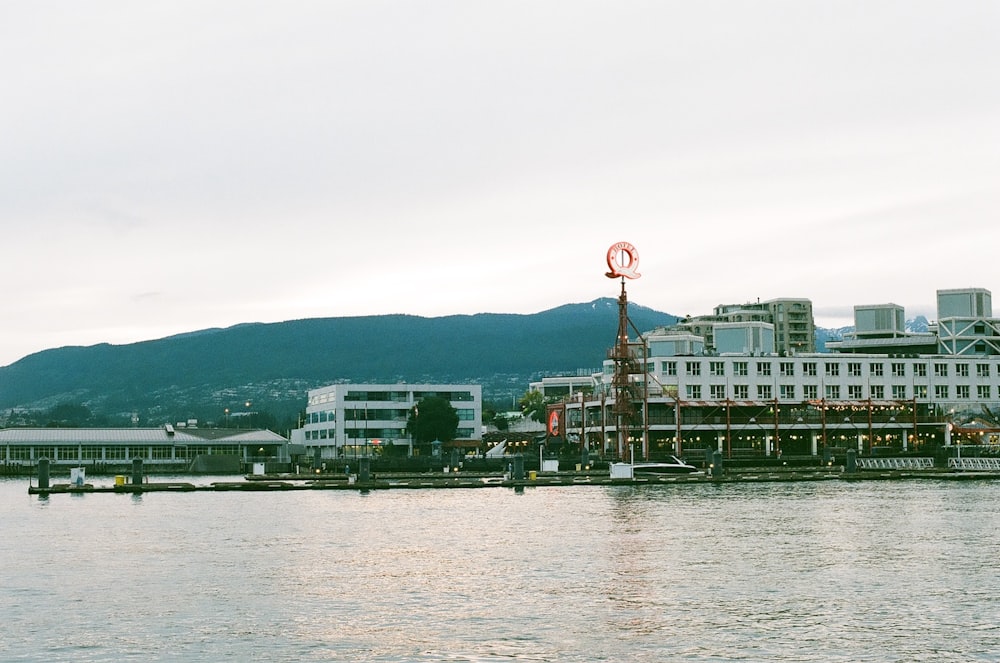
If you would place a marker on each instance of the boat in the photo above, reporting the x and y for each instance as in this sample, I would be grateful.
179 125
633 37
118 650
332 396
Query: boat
673 465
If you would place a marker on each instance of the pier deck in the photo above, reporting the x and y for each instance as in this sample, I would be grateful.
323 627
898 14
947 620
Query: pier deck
460 480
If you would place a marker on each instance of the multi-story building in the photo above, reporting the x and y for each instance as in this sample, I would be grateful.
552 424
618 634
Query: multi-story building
352 420
791 319
759 401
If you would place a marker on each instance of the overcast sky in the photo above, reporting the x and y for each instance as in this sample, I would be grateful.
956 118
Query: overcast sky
173 166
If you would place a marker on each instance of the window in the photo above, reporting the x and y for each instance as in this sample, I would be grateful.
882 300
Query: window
940 370
786 369
764 392
898 370
764 368
833 391
854 369
983 391
963 370
832 369
899 392
982 370
855 392
810 392
741 392
809 368
740 368
940 391
693 368
920 370
718 392
787 391
694 391
962 391
877 370
670 367
717 368
877 391
920 391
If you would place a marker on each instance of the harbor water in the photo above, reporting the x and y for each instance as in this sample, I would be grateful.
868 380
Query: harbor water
813 571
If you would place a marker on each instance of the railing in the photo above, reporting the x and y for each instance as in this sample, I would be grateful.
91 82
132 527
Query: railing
975 464
895 463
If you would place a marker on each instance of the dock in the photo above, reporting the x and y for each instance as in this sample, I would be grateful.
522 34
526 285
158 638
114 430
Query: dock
460 480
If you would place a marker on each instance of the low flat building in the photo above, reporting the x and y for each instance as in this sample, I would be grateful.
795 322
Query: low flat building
164 446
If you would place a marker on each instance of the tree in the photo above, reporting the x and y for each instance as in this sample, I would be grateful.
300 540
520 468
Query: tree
433 418
533 405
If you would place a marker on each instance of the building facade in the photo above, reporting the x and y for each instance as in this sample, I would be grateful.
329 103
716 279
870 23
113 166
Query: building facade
115 447
761 402
354 420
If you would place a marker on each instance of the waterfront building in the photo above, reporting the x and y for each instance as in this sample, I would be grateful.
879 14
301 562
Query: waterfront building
160 447
864 395
790 318
353 420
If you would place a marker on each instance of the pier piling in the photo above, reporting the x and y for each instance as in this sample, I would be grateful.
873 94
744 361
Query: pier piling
43 472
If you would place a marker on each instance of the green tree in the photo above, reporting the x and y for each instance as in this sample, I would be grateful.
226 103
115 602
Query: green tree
433 418
533 405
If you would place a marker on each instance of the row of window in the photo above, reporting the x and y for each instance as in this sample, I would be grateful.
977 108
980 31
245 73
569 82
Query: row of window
854 392
114 453
811 368
379 414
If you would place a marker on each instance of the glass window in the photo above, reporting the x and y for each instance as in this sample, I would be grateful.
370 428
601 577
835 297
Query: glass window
787 369
694 391
764 392
940 391
962 391
763 368
983 391
898 370
832 369
940 370
809 368
810 392
693 367
855 392
899 392
741 368
982 370
853 369
718 392
878 391
787 392
741 392
920 370
717 368
833 391
963 370
877 369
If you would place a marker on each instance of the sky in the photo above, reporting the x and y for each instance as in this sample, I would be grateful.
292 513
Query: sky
168 167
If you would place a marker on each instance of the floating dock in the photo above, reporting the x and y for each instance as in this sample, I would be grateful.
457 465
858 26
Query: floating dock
460 480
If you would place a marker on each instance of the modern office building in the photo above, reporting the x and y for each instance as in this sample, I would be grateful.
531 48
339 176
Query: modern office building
353 420
757 401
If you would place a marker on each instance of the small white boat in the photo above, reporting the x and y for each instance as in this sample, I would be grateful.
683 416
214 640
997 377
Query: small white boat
672 466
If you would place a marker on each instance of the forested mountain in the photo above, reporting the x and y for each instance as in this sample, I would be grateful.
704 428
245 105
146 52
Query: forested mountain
271 366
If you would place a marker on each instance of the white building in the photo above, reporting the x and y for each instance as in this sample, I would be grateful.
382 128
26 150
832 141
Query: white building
753 402
351 420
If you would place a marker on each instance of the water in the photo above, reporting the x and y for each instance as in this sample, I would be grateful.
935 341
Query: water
830 571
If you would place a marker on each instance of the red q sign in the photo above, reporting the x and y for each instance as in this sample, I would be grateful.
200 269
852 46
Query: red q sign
622 261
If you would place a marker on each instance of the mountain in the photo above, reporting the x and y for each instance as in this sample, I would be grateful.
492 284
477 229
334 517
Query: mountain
272 365
917 325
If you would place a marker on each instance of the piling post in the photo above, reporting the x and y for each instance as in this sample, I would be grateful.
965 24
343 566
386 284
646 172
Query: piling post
518 467
43 472
716 463
137 471
851 464
364 469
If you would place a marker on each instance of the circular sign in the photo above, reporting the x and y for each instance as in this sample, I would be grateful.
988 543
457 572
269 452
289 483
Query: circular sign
554 423
623 260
